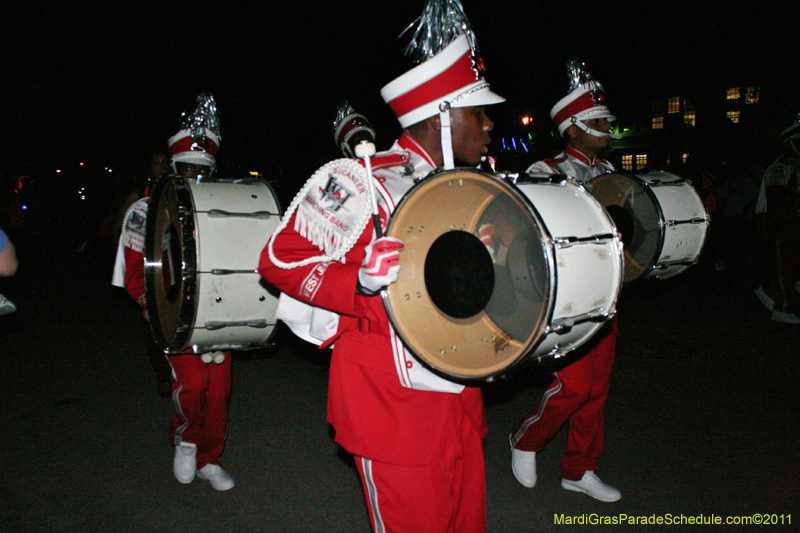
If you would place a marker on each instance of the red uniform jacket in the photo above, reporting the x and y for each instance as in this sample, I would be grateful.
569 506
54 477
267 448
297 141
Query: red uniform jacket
373 414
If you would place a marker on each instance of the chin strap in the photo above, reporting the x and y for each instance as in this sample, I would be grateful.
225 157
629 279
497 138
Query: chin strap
593 132
794 146
447 137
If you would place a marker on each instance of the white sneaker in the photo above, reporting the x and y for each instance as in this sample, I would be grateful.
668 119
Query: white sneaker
6 306
185 464
523 465
768 302
786 318
777 316
590 484
219 478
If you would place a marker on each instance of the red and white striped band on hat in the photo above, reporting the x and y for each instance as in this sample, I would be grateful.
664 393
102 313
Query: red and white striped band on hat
585 102
185 149
450 76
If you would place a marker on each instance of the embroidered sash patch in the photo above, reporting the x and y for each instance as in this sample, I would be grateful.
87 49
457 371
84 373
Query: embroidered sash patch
334 207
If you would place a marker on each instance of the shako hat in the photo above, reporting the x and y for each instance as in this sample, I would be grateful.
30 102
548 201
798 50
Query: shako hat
450 69
198 140
585 100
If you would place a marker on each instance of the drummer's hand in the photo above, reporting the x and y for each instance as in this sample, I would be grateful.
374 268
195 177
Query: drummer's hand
380 266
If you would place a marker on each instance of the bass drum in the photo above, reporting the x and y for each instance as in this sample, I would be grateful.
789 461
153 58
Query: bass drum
662 220
203 243
494 273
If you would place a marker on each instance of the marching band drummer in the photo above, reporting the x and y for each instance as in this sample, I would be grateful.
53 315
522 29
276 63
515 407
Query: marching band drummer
201 391
578 392
778 207
416 437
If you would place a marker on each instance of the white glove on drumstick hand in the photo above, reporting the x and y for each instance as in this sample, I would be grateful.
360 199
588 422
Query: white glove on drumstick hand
380 266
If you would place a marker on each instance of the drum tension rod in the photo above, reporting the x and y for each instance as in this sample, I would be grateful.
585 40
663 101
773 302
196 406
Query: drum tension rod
221 213
670 223
225 272
660 183
666 264
564 242
212 325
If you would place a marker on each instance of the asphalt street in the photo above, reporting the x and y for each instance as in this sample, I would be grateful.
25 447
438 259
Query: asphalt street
701 421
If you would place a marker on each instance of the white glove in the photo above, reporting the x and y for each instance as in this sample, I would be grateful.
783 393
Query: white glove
380 266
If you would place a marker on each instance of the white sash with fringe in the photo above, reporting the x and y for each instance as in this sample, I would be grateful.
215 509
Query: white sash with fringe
333 209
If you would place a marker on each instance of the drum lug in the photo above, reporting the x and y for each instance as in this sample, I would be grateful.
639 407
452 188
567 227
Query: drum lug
567 323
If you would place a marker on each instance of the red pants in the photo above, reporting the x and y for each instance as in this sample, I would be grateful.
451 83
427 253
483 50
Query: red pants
578 396
445 496
201 393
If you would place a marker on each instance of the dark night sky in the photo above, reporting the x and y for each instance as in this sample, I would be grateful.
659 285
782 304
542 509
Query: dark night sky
103 84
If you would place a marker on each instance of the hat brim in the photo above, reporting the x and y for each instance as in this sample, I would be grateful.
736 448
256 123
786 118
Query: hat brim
603 114
195 158
479 98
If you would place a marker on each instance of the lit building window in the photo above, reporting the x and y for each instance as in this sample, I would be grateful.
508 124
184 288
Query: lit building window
674 104
733 116
752 95
685 158
658 123
641 161
688 114
627 162
733 93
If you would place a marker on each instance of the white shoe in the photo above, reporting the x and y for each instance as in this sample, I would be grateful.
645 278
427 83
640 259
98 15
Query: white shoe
590 484
219 478
777 316
6 306
786 318
768 302
185 464
523 464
